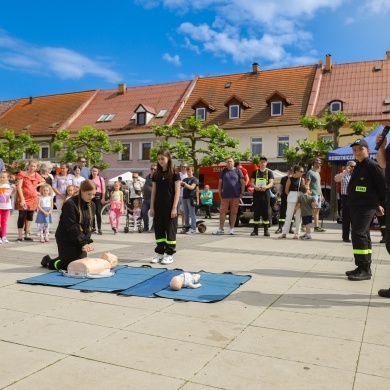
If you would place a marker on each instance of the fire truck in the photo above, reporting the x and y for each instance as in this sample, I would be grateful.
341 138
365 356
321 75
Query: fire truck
210 175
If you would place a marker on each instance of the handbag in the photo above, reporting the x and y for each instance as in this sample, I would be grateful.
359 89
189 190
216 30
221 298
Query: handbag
98 196
137 192
193 201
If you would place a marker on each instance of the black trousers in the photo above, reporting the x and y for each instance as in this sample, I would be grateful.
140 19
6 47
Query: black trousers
98 204
361 217
261 208
67 253
388 219
165 229
346 217
283 209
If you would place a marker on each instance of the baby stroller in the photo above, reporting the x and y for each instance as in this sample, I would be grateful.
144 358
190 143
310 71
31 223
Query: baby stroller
130 225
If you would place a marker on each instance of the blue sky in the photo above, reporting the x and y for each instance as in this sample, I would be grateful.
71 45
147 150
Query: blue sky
50 47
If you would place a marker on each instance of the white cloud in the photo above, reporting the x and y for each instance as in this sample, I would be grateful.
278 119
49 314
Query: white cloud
175 60
376 7
60 62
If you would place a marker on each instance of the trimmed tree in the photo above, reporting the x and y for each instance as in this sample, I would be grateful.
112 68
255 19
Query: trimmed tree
198 145
89 142
13 148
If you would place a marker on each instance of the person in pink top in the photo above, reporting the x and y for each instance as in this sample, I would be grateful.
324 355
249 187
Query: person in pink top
99 197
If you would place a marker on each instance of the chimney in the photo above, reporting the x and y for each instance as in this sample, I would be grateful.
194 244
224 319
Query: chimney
328 63
30 99
255 68
388 55
121 89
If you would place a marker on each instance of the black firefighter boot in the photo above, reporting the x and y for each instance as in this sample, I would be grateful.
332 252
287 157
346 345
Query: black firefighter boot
280 228
266 232
255 230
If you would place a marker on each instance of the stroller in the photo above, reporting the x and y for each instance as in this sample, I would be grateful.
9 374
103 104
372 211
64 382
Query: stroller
130 218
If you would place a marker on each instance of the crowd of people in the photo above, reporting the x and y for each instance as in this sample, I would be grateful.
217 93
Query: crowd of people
167 192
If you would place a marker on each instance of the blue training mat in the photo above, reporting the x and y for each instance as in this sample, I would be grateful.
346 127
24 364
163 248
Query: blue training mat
122 280
149 287
215 287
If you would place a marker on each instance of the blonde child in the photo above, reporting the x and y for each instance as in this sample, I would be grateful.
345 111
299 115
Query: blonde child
116 209
45 209
306 202
70 191
136 212
6 190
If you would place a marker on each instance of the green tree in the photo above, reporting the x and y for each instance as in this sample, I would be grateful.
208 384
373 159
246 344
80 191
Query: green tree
14 146
198 145
306 150
88 142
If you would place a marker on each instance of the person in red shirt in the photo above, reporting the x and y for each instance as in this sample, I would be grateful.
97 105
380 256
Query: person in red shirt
244 171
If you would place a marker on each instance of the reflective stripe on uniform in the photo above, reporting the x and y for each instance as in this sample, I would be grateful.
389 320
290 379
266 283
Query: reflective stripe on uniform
55 263
362 251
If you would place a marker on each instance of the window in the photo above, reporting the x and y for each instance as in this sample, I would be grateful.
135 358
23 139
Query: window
257 146
234 111
200 114
283 143
161 113
126 155
276 108
145 150
106 118
44 151
141 118
335 107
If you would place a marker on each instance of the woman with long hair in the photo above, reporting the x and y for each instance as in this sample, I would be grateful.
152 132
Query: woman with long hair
27 183
73 234
99 197
293 185
163 207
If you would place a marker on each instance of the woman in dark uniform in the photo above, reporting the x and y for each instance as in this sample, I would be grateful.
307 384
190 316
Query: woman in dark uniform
73 234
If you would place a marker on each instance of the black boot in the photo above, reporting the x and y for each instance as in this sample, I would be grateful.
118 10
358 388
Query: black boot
291 229
255 230
280 228
266 232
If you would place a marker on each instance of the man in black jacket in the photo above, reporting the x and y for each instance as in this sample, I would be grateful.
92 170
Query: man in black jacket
366 196
383 157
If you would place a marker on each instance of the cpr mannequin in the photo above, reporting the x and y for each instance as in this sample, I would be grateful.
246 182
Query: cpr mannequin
91 267
185 280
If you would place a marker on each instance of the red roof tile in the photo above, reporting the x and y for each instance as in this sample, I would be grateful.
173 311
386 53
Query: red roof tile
43 115
254 88
360 87
6 105
151 97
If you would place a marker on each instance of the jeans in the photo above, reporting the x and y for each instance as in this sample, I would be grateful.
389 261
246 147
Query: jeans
189 212
144 213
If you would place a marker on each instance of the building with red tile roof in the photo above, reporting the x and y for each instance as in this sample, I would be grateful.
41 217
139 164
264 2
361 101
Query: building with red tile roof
6 105
261 108
127 114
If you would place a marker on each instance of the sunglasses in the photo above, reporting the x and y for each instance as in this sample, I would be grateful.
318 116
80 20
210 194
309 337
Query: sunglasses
152 169
83 161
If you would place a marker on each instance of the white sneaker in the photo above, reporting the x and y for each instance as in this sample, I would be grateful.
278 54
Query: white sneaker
167 260
231 232
191 231
219 231
157 259
5 241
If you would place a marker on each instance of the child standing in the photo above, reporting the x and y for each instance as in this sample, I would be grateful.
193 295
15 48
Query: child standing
306 202
70 191
206 199
163 207
116 209
6 190
45 209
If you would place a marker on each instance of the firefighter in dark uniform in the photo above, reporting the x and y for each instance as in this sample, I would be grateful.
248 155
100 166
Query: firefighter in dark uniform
383 158
261 180
366 196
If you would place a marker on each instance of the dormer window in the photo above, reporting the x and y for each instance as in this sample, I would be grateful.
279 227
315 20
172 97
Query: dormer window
335 106
200 114
234 111
278 103
276 108
202 109
141 117
236 106
144 114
